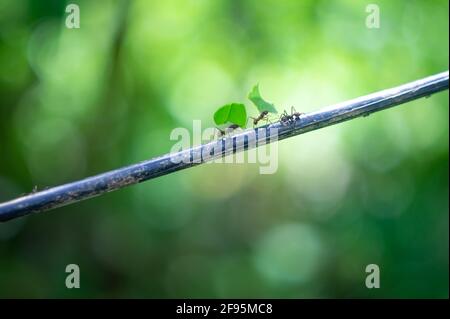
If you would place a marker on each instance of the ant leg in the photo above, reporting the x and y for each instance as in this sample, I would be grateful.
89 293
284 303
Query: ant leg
220 133
299 114
252 121
293 110
284 118
248 118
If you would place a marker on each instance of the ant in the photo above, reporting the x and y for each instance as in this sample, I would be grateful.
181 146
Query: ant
285 118
231 128
262 116
33 191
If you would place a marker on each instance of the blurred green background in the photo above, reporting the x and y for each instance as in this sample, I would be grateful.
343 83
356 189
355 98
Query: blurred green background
77 102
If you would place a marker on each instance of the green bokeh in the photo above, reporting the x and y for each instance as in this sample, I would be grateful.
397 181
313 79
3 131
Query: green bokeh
77 102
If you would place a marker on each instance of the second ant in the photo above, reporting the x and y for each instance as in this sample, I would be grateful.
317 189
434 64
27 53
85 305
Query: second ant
286 119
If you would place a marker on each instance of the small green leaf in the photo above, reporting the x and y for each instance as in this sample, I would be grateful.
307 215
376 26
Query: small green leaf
222 114
238 114
234 113
259 102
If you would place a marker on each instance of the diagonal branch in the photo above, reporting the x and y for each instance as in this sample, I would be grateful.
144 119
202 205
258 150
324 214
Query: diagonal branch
133 174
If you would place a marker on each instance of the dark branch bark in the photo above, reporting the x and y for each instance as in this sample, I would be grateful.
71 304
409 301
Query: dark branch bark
110 181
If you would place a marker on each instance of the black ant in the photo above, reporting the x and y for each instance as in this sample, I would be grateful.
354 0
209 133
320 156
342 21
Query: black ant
285 118
295 113
231 128
262 116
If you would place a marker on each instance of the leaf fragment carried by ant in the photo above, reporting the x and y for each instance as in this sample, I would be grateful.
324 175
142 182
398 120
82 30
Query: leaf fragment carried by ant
231 113
261 104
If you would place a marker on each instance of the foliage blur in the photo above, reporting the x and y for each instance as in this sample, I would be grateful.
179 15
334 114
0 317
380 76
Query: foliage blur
77 102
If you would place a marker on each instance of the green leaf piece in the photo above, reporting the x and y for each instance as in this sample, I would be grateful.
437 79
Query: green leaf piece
238 114
222 114
259 102
234 113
